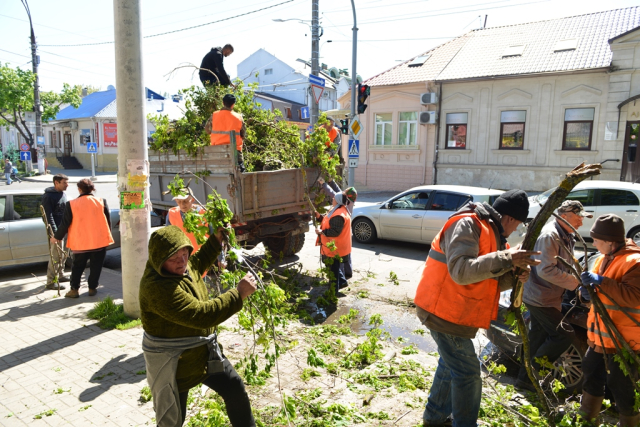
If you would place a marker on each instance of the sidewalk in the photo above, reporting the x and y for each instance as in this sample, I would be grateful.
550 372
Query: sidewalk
54 357
74 175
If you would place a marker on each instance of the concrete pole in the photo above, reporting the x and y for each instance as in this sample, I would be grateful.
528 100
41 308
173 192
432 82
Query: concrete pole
133 157
36 90
354 85
315 49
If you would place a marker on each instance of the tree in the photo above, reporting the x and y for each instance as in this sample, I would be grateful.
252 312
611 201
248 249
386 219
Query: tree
16 98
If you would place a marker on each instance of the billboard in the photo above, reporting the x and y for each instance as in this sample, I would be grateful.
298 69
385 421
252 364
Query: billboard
110 134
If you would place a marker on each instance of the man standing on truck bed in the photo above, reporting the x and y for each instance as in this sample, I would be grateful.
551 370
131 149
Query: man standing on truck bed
212 70
226 120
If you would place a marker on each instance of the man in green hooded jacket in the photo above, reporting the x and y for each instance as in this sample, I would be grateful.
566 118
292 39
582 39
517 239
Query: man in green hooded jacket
175 308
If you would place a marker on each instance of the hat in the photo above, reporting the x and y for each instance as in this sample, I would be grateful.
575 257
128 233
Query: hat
184 196
573 206
513 203
609 228
351 194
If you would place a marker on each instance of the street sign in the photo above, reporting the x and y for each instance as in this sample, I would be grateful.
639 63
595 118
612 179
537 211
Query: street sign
40 140
29 116
309 129
317 92
304 113
353 163
315 80
25 156
24 147
92 147
355 126
354 148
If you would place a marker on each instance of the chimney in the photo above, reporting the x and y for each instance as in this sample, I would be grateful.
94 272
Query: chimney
84 92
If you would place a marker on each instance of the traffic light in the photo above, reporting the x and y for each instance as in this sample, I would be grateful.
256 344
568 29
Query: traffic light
363 94
344 126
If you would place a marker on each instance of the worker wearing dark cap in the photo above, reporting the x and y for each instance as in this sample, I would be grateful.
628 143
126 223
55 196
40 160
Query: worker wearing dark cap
226 120
468 265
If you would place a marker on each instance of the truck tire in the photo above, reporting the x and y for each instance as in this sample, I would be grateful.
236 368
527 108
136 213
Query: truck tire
299 243
282 242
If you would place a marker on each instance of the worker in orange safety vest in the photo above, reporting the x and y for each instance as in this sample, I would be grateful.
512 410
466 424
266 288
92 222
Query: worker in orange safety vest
87 221
226 120
468 265
615 273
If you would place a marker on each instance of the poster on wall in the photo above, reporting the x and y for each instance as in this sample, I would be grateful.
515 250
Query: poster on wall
110 134
85 136
96 134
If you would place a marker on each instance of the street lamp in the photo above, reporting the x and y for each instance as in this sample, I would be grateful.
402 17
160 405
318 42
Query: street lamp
36 85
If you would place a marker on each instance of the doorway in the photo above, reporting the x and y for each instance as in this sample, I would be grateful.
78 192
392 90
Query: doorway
630 171
68 145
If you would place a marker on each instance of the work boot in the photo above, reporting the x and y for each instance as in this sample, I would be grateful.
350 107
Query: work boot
55 286
64 279
590 406
73 293
92 292
629 420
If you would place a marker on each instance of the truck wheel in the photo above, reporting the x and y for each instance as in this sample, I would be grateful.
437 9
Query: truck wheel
299 243
282 242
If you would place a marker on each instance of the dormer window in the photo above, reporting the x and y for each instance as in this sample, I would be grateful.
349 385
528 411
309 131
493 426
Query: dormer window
515 50
564 45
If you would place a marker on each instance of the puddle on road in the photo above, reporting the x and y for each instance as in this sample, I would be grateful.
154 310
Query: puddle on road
399 322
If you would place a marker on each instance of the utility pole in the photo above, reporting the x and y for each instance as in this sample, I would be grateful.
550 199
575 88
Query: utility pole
354 84
36 88
133 156
315 53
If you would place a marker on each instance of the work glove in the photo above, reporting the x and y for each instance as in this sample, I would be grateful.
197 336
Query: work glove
589 278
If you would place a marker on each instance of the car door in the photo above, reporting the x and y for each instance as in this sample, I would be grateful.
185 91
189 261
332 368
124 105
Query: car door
623 203
27 234
587 197
5 248
443 205
402 219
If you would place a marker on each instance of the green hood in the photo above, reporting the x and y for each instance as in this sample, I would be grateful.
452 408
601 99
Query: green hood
164 243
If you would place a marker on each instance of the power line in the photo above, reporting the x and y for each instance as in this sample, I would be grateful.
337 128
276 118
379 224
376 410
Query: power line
8 51
175 31
395 40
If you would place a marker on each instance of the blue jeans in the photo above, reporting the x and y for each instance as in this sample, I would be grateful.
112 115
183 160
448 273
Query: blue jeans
457 386
8 178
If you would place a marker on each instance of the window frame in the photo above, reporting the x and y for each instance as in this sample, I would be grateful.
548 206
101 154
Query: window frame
13 211
268 71
432 199
524 127
384 124
567 122
408 123
448 125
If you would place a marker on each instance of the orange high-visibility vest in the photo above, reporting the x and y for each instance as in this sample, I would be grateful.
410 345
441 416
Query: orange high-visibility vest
225 121
619 266
89 228
474 305
175 218
333 133
343 241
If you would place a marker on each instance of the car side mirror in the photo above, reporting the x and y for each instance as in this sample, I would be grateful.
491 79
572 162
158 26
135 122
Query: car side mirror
389 205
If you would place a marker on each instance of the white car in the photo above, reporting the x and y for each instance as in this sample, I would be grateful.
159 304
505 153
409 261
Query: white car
415 215
599 198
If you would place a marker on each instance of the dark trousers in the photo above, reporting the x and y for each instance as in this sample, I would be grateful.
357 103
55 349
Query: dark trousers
621 386
80 263
546 337
337 270
230 387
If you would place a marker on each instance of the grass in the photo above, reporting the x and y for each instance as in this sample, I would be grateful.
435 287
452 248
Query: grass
46 413
111 315
145 394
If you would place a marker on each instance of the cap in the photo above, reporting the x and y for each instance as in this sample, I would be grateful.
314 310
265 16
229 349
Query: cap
609 228
575 207
184 196
351 194
513 203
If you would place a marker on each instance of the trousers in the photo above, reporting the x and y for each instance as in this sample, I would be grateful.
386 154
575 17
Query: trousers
95 268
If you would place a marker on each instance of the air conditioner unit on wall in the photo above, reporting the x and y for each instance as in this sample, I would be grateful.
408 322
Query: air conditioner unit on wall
429 98
74 125
428 117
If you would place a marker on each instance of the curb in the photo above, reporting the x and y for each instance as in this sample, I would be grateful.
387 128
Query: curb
73 179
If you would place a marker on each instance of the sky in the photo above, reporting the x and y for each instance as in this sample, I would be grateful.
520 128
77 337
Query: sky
389 31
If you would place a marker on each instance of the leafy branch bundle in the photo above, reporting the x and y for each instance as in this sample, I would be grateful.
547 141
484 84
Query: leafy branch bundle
573 178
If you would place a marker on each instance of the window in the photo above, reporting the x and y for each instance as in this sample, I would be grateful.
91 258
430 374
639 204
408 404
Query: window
512 129
457 130
515 50
408 128
3 203
449 201
567 44
609 197
287 113
583 196
412 201
384 128
417 62
268 71
578 128
26 207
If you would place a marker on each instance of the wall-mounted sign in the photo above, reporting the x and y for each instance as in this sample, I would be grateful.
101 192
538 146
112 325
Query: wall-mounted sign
110 134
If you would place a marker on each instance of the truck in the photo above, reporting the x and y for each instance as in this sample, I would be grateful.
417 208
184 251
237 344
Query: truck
268 206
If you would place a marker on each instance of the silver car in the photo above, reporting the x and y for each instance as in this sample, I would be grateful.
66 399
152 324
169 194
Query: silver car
23 238
415 215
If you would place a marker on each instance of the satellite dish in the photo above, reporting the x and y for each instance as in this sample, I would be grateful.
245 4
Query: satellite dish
111 87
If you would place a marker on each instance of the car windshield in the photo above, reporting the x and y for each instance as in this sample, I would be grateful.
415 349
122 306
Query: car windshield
542 197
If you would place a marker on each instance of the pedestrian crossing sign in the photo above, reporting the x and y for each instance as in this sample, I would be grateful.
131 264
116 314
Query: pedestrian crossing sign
354 148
